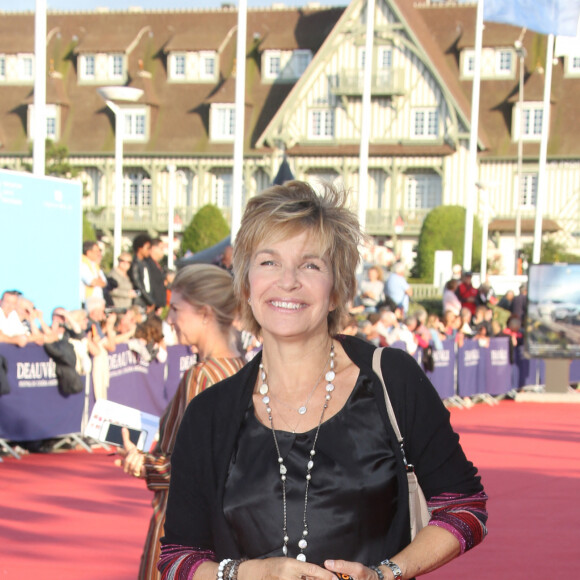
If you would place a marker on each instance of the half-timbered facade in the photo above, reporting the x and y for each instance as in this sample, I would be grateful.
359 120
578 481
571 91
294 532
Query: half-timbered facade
304 72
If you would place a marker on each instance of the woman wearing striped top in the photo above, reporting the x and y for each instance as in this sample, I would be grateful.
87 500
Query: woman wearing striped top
201 312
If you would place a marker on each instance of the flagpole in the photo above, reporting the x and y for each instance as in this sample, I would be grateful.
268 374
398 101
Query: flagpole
542 177
39 112
363 172
238 176
472 157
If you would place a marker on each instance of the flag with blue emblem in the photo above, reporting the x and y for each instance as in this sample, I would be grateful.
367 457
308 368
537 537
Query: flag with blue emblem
558 17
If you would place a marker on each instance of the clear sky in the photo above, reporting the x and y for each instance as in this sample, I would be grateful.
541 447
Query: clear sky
80 5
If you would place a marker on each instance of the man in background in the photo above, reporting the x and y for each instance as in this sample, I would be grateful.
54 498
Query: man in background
93 279
157 273
139 272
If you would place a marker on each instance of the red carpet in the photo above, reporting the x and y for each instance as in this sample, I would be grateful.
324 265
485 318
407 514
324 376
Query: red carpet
74 516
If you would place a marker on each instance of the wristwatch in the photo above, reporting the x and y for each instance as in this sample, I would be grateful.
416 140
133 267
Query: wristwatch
394 569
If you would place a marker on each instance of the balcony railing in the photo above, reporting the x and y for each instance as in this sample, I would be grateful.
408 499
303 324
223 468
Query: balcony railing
385 222
349 82
144 218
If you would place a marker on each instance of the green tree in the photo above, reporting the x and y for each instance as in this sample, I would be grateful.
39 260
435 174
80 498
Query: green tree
207 227
551 251
57 164
444 229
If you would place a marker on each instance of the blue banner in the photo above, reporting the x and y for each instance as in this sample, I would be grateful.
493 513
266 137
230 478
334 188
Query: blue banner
558 17
41 237
469 369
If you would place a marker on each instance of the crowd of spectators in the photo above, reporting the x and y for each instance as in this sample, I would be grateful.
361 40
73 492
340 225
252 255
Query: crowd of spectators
465 312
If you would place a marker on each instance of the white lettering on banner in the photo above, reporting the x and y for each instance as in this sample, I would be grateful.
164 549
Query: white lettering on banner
441 358
125 362
471 358
186 362
36 370
499 358
36 374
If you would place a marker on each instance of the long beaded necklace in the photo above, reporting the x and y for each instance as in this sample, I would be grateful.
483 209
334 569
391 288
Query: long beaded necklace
302 543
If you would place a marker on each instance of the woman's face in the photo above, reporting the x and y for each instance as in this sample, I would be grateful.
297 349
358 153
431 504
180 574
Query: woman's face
187 321
290 287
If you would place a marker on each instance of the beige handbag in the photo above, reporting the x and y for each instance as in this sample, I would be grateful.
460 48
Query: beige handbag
418 511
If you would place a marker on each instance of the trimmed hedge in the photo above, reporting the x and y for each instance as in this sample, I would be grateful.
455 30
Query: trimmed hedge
444 229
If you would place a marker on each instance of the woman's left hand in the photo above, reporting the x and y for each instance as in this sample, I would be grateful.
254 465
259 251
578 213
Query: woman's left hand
133 461
355 570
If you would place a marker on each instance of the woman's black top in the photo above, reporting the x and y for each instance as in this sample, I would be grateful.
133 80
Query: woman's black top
351 497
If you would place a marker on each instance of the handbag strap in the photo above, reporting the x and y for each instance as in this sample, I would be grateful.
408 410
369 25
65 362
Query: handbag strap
390 411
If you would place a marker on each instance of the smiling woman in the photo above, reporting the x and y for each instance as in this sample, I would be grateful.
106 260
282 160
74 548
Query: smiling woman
301 474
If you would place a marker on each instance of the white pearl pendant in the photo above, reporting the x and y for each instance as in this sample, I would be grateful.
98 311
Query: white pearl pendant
301 557
263 389
302 544
302 410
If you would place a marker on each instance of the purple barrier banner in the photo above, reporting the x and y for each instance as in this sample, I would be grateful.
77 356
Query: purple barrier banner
34 409
147 386
469 375
575 371
498 371
179 360
443 375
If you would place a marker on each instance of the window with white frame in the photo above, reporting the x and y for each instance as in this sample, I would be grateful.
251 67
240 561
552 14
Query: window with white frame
528 121
321 124
222 193
116 67
528 190
425 123
26 67
573 65
135 128
299 62
423 191
2 67
504 62
177 65
51 121
138 189
468 63
207 65
272 64
88 66
223 122
385 58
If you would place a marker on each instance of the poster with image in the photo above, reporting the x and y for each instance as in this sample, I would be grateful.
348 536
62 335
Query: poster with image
553 317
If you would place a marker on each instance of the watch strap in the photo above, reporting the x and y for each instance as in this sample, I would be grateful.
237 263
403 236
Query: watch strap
394 568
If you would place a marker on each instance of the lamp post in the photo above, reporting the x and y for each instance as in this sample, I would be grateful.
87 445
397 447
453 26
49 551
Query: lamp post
110 95
521 53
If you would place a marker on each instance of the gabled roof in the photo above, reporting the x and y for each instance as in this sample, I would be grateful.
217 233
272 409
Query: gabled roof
453 29
180 121
420 33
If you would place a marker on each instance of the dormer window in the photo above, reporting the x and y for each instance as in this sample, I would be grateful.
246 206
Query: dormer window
285 65
528 121
116 66
321 124
222 122
52 122
495 63
102 68
135 128
192 67
2 67
573 65
26 67
87 66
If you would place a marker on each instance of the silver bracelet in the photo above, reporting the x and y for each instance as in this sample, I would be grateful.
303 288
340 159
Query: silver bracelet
378 571
394 568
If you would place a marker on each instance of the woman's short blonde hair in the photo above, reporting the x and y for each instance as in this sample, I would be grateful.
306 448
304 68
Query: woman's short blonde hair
205 285
283 211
